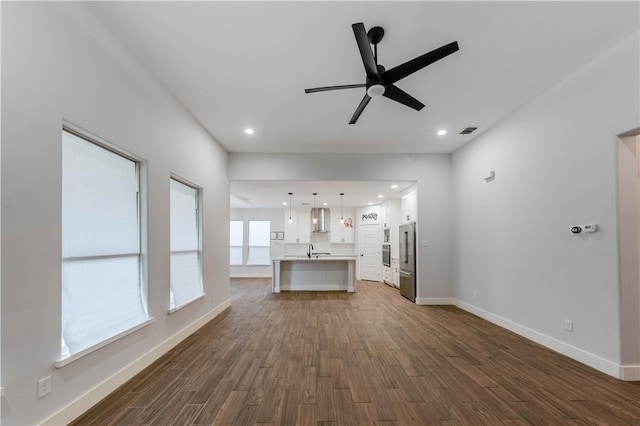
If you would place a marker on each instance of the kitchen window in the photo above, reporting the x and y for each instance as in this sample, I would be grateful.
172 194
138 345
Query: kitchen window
259 242
236 238
186 264
103 293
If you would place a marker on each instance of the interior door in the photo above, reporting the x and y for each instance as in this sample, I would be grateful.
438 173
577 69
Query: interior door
370 252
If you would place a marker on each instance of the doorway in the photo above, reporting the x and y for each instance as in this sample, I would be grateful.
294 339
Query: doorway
629 251
370 252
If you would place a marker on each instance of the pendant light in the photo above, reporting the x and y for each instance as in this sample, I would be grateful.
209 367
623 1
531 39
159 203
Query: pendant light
315 212
341 208
290 219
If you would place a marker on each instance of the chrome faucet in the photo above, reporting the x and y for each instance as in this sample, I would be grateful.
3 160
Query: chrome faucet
309 250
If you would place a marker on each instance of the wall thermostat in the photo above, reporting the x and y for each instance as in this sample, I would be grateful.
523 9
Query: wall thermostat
578 229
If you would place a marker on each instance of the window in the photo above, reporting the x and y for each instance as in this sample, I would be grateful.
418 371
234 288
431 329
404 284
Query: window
259 242
186 265
236 237
102 289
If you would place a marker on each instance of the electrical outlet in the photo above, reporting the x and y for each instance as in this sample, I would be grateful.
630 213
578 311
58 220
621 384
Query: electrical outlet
568 325
44 387
475 294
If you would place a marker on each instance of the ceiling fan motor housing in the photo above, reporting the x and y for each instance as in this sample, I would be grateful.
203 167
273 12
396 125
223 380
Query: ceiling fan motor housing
375 35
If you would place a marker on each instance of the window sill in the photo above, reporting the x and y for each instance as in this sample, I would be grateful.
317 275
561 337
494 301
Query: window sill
68 360
184 305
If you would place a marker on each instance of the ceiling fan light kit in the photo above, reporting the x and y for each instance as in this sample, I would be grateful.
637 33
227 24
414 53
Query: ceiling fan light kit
380 82
375 90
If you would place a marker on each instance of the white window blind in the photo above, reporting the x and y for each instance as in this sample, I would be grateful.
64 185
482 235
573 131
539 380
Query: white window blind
259 242
236 236
101 286
186 270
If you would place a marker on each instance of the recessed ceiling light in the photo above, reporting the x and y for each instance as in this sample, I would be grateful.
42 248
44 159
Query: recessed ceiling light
380 196
284 204
394 186
248 131
442 132
370 203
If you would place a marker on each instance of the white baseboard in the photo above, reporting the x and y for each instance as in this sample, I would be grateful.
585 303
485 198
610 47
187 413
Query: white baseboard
100 391
434 301
594 361
314 287
250 274
630 373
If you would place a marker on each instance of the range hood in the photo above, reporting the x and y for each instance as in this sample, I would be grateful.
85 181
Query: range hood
323 219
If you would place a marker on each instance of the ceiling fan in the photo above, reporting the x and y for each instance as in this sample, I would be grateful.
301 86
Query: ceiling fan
380 82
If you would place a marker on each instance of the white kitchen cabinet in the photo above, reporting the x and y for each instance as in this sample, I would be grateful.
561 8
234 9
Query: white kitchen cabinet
408 208
386 274
390 214
384 215
395 271
299 230
342 232
393 222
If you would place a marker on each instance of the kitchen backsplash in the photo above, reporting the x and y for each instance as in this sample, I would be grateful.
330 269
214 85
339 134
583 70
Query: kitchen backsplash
321 244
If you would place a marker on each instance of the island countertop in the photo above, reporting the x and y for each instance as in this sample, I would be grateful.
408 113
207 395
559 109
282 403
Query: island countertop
315 273
314 258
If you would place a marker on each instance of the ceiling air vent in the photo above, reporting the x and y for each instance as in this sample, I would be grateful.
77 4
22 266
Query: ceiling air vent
468 130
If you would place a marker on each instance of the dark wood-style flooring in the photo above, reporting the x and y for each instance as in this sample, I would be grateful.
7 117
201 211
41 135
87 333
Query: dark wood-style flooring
366 358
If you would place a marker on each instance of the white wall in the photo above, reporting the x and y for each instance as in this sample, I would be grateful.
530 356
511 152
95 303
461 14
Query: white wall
276 218
432 172
58 63
555 166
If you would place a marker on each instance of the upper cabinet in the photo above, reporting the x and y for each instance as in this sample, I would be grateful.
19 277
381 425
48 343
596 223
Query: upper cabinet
299 230
408 207
384 215
342 232
390 214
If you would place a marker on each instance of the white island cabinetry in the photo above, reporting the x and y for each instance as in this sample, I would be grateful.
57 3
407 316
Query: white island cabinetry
326 273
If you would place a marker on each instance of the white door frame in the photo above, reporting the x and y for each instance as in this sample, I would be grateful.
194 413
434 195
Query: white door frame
629 252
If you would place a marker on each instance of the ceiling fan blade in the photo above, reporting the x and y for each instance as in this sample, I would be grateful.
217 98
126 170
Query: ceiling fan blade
416 64
363 103
325 89
395 93
368 60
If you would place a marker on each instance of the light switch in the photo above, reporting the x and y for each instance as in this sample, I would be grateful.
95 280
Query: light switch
424 243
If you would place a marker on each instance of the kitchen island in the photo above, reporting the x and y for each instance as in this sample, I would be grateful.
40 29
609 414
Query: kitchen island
318 273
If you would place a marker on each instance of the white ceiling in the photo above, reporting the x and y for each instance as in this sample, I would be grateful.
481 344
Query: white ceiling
272 194
242 64
246 64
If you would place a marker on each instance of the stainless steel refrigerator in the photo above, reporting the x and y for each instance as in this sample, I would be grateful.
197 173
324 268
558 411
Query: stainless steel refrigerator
408 261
